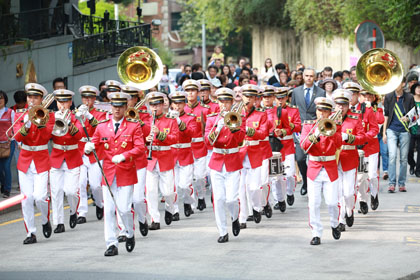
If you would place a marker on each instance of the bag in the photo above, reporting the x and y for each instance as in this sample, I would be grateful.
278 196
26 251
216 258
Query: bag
4 150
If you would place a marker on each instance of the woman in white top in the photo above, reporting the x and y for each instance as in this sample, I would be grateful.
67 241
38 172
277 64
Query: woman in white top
267 71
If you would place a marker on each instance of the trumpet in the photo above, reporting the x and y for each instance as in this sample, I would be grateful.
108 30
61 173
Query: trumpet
61 125
38 114
133 112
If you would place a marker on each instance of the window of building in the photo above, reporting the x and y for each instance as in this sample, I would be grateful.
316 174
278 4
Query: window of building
175 17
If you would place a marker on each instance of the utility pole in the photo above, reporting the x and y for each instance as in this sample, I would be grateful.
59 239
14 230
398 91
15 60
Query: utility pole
203 45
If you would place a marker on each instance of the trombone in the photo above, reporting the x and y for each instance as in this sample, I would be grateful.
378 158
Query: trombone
38 114
133 112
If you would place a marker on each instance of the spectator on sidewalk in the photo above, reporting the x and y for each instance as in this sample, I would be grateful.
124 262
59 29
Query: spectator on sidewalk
396 105
276 77
267 71
415 136
7 147
20 100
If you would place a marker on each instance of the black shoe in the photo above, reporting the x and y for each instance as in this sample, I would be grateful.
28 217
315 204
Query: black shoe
417 173
290 199
2 191
374 202
168 218
122 239
276 206
243 225
154 226
6 194
282 205
144 228
268 211
223 239
257 216
60 228
111 251
188 210
30 240
316 241
412 169
47 229
130 244
73 220
336 233
250 218
201 204
99 213
175 217
364 208
81 220
304 190
350 220
341 227
236 227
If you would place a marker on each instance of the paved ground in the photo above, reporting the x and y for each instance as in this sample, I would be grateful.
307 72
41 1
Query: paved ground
381 245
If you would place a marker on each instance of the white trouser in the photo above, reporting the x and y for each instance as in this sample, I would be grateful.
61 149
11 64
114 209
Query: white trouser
225 191
265 183
165 182
92 172
371 181
34 186
123 198
139 198
199 176
183 184
290 170
250 190
346 191
64 180
322 183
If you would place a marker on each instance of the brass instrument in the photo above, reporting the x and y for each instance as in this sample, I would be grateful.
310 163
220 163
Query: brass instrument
379 71
38 114
61 125
140 66
133 112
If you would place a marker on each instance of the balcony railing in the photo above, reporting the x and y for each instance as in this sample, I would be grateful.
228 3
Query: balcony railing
33 25
109 44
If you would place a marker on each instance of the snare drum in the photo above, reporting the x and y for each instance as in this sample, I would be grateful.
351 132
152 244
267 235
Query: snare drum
361 167
275 165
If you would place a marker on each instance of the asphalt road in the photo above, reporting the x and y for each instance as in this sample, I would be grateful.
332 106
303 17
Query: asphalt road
384 244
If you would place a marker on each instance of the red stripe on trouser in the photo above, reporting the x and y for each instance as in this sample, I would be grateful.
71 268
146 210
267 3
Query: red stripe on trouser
78 200
24 223
191 190
268 193
134 225
355 191
339 212
48 210
212 195
116 215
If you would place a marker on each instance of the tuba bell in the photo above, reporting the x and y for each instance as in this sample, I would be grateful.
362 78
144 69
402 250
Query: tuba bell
379 71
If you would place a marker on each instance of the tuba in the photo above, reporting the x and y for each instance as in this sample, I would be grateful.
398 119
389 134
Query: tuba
379 71
61 125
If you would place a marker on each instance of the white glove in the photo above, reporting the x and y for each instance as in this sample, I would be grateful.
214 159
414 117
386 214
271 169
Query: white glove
27 121
368 104
83 108
88 115
316 132
344 136
178 120
79 115
220 124
118 158
89 147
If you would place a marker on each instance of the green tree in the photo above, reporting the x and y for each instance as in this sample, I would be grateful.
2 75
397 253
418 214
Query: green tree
164 53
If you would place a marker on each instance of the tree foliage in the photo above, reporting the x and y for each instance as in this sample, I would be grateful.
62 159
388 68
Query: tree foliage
164 53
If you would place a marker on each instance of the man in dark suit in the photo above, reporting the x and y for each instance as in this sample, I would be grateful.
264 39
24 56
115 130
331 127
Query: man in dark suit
303 97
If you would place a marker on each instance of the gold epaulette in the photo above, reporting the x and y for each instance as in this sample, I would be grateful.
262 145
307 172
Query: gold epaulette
309 122
21 110
192 115
102 110
292 106
132 120
212 115
353 117
143 111
260 109
215 102
355 111
205 106
104 121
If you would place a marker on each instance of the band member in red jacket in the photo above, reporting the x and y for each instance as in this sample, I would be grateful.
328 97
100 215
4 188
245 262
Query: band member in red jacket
122 141
183 155
66 160
352 135
205 87
89 170
192 87
34 163
322 170
225 164
160 167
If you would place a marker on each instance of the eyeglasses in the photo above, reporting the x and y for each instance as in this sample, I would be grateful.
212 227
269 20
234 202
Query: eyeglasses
1 97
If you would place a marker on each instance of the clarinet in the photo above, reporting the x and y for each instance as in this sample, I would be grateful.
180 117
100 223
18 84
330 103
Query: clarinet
149 157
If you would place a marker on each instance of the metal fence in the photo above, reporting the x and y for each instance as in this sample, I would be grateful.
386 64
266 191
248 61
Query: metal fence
33 25
109 44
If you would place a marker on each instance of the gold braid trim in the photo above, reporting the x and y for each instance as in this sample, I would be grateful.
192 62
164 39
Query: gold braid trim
93 122
161 136
182 126
23 131
141 123
283 132
212 136
73 129
233 130
250 132
292 126
351 139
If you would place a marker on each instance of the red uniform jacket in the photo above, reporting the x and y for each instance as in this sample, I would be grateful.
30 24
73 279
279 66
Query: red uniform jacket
198 144
186 132
213 106
141 161
256 120
128 141
265 143
169 127
35 137
327 146
73 158
225 140
287 141
201 112
349 158
371 129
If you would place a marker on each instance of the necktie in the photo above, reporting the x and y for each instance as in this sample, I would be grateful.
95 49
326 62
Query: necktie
307 97
116 127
